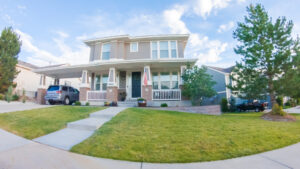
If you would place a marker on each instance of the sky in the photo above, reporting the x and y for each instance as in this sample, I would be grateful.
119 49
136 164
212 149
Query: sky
52 32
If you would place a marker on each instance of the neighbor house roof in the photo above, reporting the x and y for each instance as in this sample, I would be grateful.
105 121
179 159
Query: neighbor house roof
28 65
223 70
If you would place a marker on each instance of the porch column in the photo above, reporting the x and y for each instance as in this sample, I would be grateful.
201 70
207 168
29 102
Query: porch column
84 86
147 84
41 91
112 88
56 81
182 69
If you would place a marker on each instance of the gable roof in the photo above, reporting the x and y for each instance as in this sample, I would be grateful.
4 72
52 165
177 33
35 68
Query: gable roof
223 70
28 65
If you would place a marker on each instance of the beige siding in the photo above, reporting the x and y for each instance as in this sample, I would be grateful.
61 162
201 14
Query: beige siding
143 51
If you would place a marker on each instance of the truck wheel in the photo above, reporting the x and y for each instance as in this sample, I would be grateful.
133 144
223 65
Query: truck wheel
51 102
67 101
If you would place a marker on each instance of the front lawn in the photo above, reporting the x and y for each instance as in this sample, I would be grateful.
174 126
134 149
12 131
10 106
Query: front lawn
166 136
38 122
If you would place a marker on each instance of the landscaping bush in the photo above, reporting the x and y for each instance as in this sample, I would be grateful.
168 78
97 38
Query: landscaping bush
288 103
8 95
224 105
87 104
106 104
77 103
277 110
232 106
164 105
23 96
15 97
279 100
1 96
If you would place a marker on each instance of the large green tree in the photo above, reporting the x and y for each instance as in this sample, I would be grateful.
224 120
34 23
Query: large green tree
10 46
197 84
268 50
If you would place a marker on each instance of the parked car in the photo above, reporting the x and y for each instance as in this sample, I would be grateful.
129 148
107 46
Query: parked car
255 105
61 94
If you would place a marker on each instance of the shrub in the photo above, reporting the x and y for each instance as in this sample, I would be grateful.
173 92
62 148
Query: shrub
140 99
224 105
164 105
106 104
1 96
8 95
288 103
15 97
114 104
77 103
232 106
87 104
279 100
277 110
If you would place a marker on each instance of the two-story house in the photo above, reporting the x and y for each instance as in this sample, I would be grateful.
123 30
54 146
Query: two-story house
133 66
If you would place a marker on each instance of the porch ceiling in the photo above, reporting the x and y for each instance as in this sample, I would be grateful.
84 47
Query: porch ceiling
76 70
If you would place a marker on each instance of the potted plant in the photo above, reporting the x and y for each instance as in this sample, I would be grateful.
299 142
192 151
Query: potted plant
142 102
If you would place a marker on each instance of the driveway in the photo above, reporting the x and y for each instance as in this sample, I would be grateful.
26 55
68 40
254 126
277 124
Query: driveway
17 152
18 106
293 110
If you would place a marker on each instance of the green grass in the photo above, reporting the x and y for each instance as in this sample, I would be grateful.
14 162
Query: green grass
169 136
38 122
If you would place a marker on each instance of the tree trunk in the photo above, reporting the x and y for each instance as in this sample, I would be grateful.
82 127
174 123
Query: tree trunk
271 91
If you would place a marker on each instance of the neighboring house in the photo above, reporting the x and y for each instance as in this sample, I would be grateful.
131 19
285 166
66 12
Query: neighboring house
222 78
29 80
141 66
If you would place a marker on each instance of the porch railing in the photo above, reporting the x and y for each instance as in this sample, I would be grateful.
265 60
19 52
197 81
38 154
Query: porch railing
170 94
96 95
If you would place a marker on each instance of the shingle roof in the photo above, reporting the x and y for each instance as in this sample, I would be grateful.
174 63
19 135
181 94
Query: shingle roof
224 70
22 63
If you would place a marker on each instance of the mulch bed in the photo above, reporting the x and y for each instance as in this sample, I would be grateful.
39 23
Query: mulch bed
271 117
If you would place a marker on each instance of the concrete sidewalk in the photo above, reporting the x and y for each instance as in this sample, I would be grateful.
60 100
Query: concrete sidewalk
293 110
17 152
6 107
79 130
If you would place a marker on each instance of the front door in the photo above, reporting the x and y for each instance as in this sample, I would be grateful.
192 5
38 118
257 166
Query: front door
136 84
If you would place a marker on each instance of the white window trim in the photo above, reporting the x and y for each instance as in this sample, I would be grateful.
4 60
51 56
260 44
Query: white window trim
169 49
102 49
170 79
101 81
137 46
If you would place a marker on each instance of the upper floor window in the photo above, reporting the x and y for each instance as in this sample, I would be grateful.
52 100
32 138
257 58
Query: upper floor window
163 49
105 51
134 47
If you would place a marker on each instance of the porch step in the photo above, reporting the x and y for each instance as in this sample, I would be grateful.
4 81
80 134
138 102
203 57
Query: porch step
127 103
89 124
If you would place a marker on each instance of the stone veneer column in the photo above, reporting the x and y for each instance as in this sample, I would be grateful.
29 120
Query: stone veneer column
84 86
112 89
147 92
41 91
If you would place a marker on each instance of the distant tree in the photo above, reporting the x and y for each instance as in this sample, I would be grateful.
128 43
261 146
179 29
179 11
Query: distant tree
267 49
10 46
197 84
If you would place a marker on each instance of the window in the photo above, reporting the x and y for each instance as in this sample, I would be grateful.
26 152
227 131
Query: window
104 82
154 50
97 82
173 49
106 51
163 46
134 47
163 49
165 80
155 80
174 80
64 88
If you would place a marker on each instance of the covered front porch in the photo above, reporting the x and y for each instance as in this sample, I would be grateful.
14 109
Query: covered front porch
158 81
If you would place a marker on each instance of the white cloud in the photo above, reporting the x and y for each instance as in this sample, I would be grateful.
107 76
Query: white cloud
205 7
42 57
226 27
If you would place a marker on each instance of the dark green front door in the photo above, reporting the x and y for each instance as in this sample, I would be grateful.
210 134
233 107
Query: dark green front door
136 84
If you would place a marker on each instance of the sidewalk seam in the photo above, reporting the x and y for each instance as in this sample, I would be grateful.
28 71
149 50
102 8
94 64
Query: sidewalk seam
280 163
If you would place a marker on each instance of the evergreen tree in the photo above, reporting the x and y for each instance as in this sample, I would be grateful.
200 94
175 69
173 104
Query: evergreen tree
267 49
197 84
10 46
